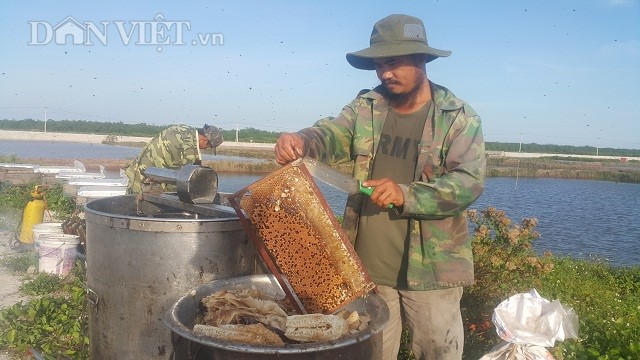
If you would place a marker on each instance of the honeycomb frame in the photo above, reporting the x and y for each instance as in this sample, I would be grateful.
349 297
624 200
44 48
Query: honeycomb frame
301 241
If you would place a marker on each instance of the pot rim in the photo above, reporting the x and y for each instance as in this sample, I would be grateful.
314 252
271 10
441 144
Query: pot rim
173 322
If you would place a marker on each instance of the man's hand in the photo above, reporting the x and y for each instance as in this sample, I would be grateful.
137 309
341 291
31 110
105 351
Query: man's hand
385 192
289 147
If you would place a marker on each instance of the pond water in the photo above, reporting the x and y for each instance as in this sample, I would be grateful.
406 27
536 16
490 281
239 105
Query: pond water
577 218
72 150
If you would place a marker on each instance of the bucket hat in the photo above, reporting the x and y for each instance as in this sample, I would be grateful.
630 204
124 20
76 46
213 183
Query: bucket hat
395 35
213 134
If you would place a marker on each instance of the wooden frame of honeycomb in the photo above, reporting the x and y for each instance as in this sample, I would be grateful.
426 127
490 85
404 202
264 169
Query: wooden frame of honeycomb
301 241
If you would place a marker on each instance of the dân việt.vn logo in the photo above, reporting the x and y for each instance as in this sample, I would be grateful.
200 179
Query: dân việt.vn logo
159 32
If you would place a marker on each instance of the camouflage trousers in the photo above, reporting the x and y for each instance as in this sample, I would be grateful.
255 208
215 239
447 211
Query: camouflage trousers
433 318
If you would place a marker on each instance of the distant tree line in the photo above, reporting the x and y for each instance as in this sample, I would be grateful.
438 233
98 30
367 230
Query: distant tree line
122 129
560 149
82 127
262 136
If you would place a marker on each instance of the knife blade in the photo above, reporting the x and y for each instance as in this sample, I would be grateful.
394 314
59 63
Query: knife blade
331 176
335 178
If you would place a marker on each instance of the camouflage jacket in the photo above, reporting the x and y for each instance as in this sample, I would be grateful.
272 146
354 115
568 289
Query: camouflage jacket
450 174
172 148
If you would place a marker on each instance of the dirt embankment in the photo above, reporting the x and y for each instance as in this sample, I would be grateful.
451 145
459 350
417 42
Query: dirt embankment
114 165
502 164
110 139
247 149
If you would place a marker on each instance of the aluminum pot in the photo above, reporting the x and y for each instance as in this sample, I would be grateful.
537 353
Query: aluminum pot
141 258
365 345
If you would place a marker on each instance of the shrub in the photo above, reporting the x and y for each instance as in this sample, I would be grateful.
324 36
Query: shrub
505 264
42 284
17 197
54 324
61 205
604 298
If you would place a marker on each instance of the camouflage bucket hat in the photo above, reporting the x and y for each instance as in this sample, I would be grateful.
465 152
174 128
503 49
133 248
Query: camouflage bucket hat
395 35
213 134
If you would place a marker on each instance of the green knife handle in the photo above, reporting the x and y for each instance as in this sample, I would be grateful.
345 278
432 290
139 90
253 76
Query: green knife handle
367 190
364 189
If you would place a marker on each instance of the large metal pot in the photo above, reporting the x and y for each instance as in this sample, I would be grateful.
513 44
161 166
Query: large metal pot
365 345
141 258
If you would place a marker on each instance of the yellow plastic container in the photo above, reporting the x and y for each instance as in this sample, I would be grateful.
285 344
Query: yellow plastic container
33 214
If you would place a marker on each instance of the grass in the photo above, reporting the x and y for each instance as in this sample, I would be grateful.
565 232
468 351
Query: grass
605 298
54 320
19 263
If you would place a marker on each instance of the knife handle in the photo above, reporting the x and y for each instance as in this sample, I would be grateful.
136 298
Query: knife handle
367 190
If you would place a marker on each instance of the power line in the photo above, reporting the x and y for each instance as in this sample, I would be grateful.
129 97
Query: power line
21 107
281 128
75 113
233 123
564 137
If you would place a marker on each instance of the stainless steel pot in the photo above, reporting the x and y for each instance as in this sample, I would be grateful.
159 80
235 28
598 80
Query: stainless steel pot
141 258
182 316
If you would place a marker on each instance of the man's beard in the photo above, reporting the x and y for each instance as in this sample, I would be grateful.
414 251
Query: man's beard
408 98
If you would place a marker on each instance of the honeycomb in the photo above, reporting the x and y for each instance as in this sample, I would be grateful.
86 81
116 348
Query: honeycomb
301 239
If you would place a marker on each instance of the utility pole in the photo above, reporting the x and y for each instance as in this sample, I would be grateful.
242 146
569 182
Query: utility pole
598 147
520 149
45 119
236 132
518 166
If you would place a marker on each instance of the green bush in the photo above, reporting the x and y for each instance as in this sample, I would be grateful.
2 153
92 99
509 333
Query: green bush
604 298
60 204
17 197
504 264
54 324
607 303
42 284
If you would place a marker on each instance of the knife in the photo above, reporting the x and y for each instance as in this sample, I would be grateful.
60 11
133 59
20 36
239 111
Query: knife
335 178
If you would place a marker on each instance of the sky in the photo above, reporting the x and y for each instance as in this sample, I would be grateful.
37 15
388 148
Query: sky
548 72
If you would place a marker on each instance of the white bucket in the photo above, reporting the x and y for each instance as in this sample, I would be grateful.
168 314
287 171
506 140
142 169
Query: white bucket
46 228
56 253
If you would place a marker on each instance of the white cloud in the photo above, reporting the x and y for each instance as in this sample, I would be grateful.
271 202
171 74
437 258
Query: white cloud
621 2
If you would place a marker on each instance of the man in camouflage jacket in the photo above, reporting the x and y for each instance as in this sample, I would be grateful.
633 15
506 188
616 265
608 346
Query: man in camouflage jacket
172 148
448 177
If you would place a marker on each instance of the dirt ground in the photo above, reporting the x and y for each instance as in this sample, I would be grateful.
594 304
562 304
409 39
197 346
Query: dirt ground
9 281
9 290
10 285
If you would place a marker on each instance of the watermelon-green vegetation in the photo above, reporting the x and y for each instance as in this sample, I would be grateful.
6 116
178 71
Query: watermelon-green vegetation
57 203
54 320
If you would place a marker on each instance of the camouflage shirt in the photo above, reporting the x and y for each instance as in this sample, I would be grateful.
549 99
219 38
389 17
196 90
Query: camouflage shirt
172 148
450 173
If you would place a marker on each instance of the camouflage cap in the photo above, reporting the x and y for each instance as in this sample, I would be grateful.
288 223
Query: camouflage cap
395 35
213 134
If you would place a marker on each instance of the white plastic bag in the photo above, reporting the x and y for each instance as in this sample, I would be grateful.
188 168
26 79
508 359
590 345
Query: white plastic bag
528 324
